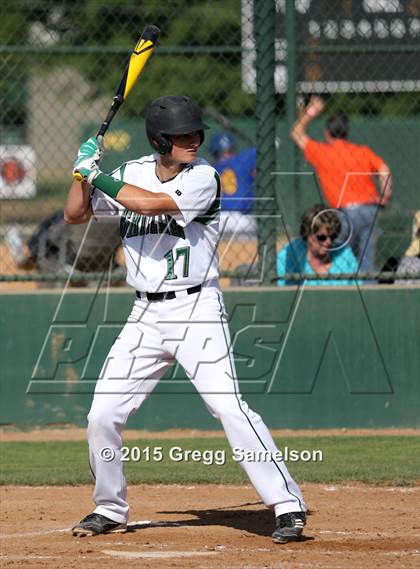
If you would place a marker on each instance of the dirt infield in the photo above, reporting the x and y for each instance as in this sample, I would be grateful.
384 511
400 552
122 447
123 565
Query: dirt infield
350 527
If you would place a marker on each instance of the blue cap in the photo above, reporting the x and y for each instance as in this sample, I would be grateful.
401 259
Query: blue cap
221 142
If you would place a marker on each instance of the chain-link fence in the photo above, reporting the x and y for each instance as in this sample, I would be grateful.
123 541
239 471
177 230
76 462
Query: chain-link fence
250 64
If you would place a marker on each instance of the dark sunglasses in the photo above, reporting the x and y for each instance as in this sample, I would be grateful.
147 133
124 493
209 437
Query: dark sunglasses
322 237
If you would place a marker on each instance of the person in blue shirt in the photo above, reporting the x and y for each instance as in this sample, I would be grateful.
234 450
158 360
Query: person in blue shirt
314 252
237 176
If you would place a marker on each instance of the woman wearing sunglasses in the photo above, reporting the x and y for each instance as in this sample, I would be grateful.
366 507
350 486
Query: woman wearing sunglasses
316 252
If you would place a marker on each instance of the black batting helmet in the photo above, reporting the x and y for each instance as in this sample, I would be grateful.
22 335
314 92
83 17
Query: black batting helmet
172 115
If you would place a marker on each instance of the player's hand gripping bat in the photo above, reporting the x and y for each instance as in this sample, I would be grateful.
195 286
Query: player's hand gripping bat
138 59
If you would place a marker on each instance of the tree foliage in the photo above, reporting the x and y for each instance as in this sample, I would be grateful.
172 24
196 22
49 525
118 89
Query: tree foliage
199 54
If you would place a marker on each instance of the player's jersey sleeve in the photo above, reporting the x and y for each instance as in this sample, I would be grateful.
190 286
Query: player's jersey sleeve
250 155
313 151
197 194
374 161
103 205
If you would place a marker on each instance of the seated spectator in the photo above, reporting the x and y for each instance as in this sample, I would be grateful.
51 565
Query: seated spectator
410 263
314 251
41 250
237 175
347 173
55 246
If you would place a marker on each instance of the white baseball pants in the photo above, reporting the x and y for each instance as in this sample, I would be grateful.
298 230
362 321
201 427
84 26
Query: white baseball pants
192 330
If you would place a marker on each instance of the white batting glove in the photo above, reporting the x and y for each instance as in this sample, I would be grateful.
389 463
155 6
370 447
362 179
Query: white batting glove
89 149
88 173
88 157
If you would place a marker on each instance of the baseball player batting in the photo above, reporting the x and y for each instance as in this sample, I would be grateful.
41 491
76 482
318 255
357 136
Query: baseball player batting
168 205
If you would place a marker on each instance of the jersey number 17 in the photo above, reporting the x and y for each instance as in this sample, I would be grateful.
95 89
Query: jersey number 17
172 257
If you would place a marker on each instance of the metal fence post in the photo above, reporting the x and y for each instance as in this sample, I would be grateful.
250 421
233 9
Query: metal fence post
292 180
264 14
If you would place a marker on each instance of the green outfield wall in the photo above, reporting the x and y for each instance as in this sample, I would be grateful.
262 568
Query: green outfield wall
307 358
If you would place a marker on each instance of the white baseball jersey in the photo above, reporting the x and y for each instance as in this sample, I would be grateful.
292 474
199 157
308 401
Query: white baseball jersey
165 252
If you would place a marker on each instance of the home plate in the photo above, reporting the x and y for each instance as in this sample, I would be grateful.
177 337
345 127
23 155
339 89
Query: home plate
156 554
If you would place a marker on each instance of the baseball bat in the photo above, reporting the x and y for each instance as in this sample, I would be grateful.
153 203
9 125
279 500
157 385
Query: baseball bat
227 124
136 62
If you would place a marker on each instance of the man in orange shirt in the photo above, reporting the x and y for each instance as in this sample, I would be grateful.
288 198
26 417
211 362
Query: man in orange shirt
347 173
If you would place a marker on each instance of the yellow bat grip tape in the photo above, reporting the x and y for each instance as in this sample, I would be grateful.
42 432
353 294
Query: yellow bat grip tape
77 176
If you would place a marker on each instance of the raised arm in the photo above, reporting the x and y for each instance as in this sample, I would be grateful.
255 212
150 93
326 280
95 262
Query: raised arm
77 209
385 183
311 111
132 197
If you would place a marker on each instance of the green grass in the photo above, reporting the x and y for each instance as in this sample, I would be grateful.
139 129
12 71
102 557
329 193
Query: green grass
369 459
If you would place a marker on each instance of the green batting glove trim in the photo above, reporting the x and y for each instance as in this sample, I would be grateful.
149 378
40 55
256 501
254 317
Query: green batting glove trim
108 184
